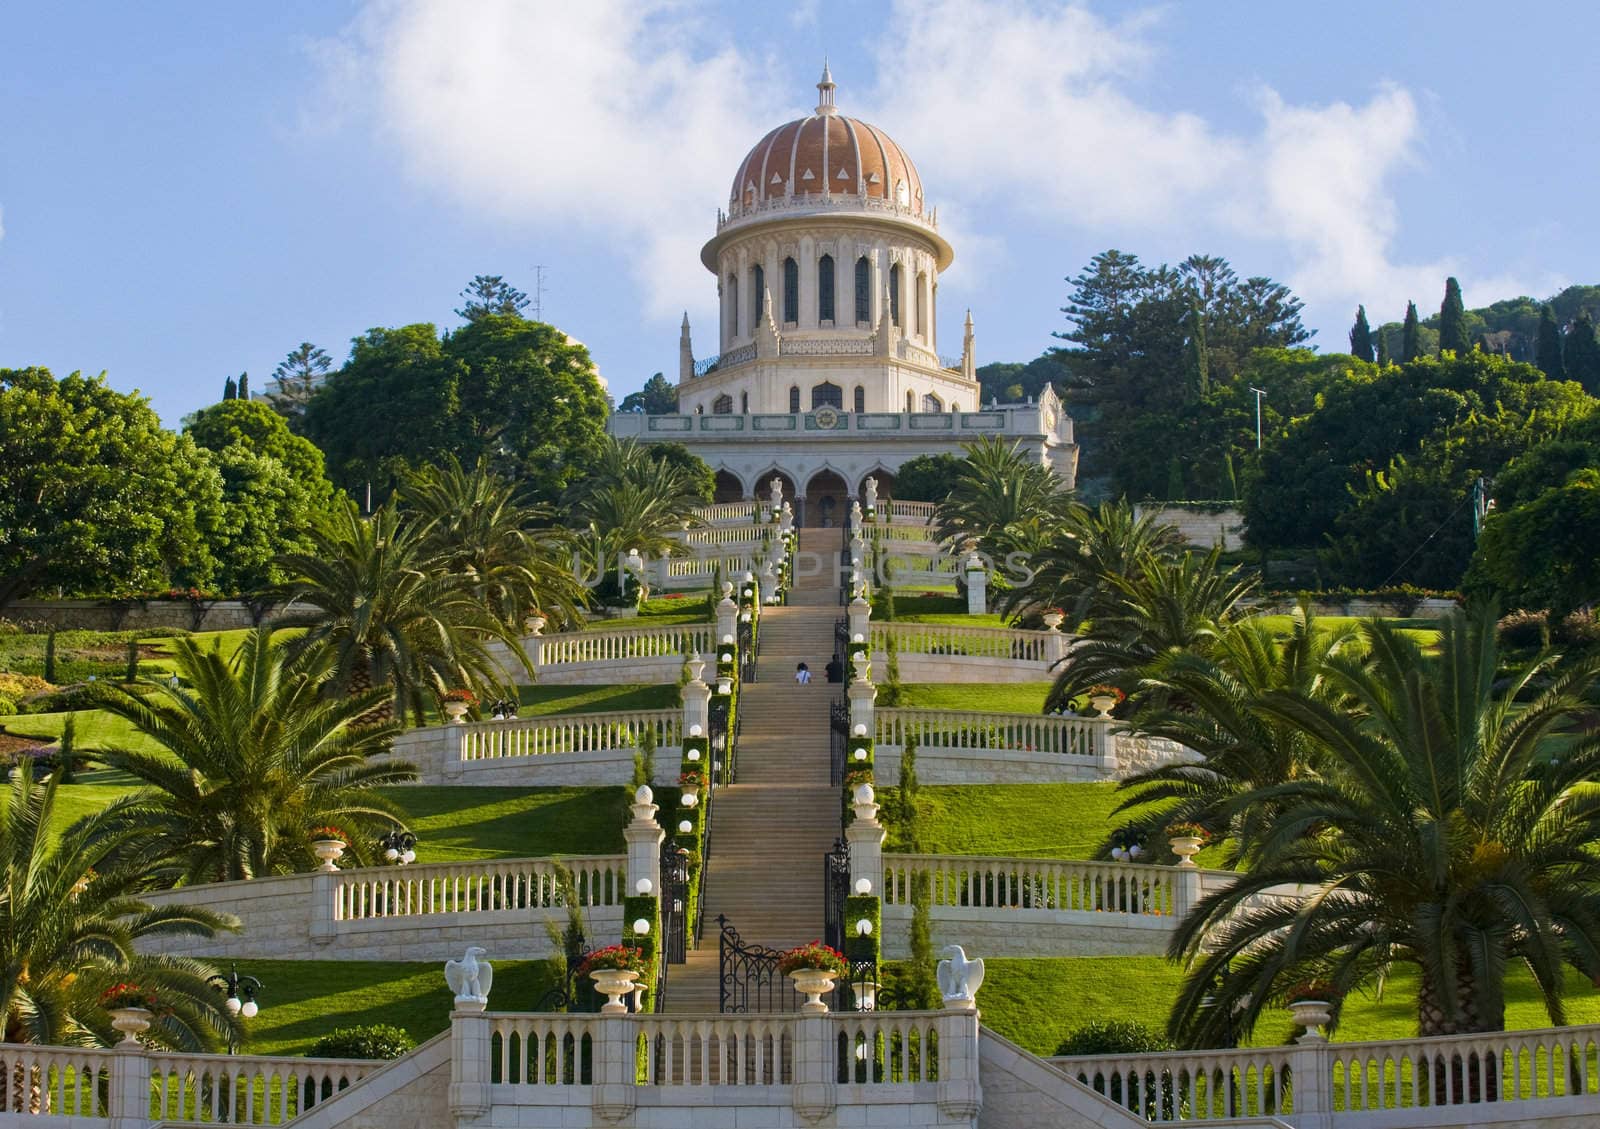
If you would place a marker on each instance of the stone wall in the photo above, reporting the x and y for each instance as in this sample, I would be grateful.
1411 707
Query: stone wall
960 668
135 615
1001 932
1130 755
435 753
1200 527
1022 1092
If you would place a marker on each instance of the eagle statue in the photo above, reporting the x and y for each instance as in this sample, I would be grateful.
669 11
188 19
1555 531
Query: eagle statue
470 978
959 978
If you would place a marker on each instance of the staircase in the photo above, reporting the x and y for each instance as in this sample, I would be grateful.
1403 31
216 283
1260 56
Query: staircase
770 830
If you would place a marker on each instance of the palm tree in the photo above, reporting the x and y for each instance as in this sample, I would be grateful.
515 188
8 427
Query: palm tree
1206 703
1449 827
254 757
1000 499
391 613
630 500
1165 606
1083 552
516 559
70 919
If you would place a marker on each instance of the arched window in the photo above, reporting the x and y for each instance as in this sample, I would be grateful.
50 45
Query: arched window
863 290
791 292
910 403
827 393
744 403
894 294
861 398
722 405
825 288
794 398
758 295
922 307
931 403
733 306
955 406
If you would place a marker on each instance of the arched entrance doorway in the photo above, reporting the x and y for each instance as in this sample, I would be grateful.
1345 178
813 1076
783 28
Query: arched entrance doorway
764 491
729 488
827 500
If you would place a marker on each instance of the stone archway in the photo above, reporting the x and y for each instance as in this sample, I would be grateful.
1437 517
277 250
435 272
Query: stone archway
885 485
729 488
827 500
764 490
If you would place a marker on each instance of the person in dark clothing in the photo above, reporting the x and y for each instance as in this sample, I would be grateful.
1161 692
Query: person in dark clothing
835 670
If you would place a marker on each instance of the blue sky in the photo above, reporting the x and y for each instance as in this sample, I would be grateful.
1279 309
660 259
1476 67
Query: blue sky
189 190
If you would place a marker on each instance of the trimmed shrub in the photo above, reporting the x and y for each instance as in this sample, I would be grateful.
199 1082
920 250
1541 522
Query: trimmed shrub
375 1040
80 697
1579 628
7 707
1523 628
1113 1036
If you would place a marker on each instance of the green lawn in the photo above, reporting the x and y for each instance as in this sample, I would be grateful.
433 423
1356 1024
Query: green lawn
996 697
464 823
923 607
95 729
664 611
303 1000
1080 989
1424 631
1065 821
547 701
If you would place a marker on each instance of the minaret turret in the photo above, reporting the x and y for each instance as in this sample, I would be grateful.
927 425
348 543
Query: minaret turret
685 352
969 362
825 90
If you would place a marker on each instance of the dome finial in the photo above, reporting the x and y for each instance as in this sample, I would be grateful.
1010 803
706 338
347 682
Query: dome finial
825 90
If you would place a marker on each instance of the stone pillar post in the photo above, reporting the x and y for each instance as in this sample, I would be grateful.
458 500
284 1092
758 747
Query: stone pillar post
866 836
470 1059
1312 1064
616 1067
769 583
859 615
696 699
1056 646
862 697
644 837
1186 891
816 1070
727 620
977 586
455 740
960 1094
1102 743
128 1102
322 907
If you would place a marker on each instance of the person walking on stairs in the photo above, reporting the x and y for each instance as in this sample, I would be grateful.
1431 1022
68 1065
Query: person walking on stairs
802 674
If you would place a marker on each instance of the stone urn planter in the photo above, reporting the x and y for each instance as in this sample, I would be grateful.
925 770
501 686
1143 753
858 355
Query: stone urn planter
1186 847
1103 704
613 984
455 711
813 983
1313 1015
131 1021
1053 620
329 851
535 624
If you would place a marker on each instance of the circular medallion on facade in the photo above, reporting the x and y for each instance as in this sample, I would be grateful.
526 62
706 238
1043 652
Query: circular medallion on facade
827 418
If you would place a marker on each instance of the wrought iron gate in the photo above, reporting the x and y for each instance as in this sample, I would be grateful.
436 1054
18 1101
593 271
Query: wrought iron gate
838 738
835 889
674 899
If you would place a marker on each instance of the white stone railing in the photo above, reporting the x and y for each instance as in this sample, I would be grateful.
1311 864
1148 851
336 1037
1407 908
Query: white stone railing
972 642
669 569
723 513
972 729
920 513
722 535
566 733
246 1089
484 886
980 883
1190 1086
612 644
57 1082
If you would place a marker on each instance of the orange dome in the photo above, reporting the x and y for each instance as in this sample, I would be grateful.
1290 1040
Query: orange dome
826 152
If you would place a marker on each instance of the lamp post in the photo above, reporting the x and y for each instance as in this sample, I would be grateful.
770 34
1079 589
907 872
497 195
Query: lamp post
1260 392
399 847
240 998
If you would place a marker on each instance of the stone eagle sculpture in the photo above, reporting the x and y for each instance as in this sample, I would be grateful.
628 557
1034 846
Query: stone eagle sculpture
470 978
959 978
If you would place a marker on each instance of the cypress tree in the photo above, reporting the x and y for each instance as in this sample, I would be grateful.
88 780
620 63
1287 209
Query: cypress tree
50 656
1383 349
1199 362
244 386
1582 355
230 390
1409 347
1361 337
1453 321
1547 353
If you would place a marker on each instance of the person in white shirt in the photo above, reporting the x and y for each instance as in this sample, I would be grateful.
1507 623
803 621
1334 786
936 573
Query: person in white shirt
802 674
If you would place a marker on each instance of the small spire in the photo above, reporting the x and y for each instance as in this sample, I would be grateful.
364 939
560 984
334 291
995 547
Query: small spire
685 319
825 90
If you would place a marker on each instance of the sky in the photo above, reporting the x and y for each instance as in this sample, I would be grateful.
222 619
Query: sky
189 190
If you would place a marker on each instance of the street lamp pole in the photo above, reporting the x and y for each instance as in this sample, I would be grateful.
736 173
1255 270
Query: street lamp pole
240 999
1260 392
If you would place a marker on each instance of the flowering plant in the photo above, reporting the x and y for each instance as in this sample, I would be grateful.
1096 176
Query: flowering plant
128 995
857 777
691 778
466 696
622 958
816 956
1105 689
1186 830
328 833
1054 611
1313 989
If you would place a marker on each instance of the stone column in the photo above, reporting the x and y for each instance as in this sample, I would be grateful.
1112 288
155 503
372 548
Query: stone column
859 616
1102 743
1186 892
960 1093
696 699
727 620
1056 646
1312 1064
769 583
977 586
455 739
644 837
616 1065
322 895
816 1090
862 697
470 1059
866 836
807 262
128 1102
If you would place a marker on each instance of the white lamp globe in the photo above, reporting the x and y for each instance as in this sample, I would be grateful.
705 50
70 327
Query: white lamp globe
390 854
864 927
689 799
863 886
693 754
685 826
408 857
248 1009
643 887
858 638
861 754
640 927
232 1004
695 730
860 729
727 638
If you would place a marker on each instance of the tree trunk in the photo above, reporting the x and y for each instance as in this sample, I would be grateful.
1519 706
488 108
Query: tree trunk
361 684
1459 1078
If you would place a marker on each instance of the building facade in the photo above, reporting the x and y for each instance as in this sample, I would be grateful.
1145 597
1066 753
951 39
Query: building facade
827 262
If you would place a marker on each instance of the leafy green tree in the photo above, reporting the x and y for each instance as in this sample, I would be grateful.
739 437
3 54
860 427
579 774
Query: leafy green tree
253 425
927 478
1544 553
298 376
230 389
255 756
1444 828
95 497
1549 464
374 596
1581 354
489 295
702 480
1361 337
1410 339
658 397
1453 319
630 500
1000 499
72 926
1548 353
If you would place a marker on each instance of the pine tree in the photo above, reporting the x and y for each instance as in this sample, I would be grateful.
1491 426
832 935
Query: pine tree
1453 321
1409 347
230 390
490 294
1581 354
298 375
1361 337
244 386
1547 353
